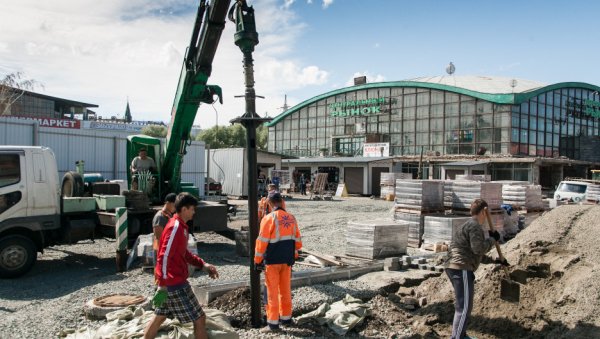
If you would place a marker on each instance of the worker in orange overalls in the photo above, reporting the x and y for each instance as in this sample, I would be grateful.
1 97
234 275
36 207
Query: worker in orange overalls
263 206
276 251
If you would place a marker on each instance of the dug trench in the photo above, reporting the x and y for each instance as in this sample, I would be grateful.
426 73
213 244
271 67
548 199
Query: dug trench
555 259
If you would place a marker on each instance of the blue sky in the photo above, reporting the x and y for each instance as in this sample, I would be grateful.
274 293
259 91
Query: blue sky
104 52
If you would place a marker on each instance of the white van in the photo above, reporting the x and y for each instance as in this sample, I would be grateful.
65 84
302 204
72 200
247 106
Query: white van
575 191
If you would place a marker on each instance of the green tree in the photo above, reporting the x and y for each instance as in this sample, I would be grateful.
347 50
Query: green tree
262 135
12 87
155 131
232 136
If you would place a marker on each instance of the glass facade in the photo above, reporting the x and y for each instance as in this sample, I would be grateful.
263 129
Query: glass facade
412 119
36 105
27 105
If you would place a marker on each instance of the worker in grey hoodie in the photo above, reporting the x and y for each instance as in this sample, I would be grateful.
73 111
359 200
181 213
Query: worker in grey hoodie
467 249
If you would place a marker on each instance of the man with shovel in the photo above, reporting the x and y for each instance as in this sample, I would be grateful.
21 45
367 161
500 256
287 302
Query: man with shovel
466 252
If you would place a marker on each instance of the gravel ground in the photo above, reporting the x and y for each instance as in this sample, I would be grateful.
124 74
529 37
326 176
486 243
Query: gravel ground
52 295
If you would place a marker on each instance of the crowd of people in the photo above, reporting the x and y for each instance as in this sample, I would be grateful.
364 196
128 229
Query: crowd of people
277 248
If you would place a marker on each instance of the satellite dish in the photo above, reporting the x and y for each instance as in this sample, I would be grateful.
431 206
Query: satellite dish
450 68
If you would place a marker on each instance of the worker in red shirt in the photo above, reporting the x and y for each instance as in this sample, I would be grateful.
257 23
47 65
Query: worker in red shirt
174 296
263 205
276 251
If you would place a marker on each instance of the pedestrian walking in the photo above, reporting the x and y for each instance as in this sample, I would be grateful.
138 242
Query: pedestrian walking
174 297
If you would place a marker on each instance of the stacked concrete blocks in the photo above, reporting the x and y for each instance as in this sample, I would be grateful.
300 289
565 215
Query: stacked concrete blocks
416 199
379 238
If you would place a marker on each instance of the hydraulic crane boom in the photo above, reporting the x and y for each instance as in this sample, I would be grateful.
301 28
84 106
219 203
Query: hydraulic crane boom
192 88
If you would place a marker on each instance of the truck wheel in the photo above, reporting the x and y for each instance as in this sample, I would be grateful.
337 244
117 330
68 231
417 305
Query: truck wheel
17 255
72 185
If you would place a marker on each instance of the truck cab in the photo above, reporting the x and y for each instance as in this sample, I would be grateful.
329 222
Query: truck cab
29 204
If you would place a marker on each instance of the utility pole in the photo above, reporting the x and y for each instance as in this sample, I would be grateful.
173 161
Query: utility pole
246 38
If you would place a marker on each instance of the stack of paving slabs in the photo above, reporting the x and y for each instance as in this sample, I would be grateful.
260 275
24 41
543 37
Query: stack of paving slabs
522 195
498 223
414 200
459 194
419 195
415 226
388 182
593 192
377 238
441 228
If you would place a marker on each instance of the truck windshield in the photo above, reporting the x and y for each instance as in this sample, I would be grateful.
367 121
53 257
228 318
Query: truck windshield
573 188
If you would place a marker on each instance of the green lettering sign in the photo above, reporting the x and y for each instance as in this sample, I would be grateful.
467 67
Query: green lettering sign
357 107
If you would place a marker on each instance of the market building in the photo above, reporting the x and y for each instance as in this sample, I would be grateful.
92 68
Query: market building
510 129
20 103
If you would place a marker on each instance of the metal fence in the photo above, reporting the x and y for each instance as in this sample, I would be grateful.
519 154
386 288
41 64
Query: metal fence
103 151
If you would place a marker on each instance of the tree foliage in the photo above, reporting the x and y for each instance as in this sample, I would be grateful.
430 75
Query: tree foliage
231 136
12 87
155 131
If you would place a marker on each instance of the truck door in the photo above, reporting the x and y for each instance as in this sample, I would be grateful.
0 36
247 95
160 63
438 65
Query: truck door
13 185
43 202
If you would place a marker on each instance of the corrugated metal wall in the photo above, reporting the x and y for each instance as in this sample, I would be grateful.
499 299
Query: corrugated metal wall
17 132
102 151
227 165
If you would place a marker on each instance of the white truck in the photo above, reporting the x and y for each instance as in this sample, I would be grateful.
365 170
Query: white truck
38 210
34 214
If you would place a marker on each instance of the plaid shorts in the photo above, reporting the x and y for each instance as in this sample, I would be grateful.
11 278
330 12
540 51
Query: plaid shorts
181 304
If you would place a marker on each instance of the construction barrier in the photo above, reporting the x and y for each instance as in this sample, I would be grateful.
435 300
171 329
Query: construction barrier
121 236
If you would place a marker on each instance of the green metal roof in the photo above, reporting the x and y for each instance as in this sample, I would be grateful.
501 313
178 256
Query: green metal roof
498 98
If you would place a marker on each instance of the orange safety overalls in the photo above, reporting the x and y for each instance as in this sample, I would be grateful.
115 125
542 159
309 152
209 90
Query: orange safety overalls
277 246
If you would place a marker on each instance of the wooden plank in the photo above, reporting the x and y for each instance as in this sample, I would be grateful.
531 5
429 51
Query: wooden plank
325 257
308 264
352 258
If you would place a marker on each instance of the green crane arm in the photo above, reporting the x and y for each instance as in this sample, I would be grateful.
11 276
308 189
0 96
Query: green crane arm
192 88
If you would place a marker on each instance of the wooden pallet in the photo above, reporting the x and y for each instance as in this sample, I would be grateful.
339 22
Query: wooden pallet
419 212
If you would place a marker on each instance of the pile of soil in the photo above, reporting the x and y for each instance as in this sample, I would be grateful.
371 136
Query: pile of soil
236 304
557 259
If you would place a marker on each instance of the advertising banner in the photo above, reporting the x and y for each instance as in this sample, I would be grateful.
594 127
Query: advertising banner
377 149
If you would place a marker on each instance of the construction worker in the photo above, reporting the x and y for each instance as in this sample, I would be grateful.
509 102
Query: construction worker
467 250
174 296
276 251
139 164
160 221
263 206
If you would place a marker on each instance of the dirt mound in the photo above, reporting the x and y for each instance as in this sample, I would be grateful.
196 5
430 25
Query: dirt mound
557 259
236 304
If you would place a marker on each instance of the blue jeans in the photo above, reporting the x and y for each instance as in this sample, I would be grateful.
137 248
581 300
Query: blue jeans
463 283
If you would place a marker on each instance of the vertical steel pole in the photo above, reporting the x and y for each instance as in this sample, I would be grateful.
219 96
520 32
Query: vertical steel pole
246 38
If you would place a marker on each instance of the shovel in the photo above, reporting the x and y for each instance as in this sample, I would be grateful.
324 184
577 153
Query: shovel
509 290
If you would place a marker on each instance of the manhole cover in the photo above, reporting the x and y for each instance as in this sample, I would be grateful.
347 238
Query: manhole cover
119 300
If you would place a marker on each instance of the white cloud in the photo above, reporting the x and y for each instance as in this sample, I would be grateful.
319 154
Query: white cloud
309 2
327 3
288 3
370 78
103 52
376 45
